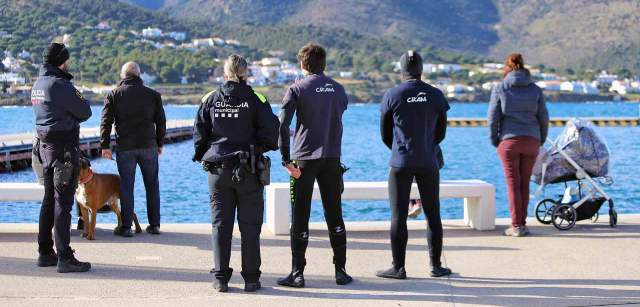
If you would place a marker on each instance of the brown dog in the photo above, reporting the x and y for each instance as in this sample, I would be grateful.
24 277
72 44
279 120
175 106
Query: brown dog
95 191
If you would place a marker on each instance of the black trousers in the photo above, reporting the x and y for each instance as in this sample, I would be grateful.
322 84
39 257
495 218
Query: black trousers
428 180
328 173
55 212
227 197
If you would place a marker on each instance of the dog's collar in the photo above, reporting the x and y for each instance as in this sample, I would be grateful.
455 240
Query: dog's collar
88 178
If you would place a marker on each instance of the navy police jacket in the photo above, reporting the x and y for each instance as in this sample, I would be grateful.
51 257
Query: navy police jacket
413 122
232 119
58 106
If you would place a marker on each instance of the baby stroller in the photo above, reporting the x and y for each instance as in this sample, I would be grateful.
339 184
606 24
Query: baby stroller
577 155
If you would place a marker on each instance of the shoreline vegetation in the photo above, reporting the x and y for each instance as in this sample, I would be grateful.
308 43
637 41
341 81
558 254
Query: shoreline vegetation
358 92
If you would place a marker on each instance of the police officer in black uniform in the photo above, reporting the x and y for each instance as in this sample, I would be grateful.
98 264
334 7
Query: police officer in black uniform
59 109
234 126
413 123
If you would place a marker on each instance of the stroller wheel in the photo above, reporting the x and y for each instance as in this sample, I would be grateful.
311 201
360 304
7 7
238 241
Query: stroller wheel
564 217
595 217
544 210
613 217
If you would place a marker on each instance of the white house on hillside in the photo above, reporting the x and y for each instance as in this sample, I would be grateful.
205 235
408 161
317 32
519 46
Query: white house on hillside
579 87
152 32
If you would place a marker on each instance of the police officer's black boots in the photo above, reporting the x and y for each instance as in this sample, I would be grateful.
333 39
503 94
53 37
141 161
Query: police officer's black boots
252 286
48 258
340 260
295 279
220 285
69 264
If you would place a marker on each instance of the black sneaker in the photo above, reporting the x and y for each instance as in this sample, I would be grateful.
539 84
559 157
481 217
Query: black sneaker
123 232
71 265
48 259
393 273
342 278
154 230
252 286
440 271
295 279
220 286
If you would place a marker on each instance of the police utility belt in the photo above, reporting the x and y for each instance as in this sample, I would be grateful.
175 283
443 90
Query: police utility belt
244 164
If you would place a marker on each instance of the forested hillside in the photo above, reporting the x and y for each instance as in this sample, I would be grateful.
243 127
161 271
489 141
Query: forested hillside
99 52
569 34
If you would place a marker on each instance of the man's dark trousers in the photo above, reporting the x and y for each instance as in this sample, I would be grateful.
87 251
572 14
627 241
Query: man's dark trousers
127 161
57 203
225 196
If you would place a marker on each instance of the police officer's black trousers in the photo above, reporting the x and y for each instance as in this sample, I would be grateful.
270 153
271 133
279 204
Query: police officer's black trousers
428 180
328 172
226 196
55 212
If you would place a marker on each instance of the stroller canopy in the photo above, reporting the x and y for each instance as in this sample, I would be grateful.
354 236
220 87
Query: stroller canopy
580 141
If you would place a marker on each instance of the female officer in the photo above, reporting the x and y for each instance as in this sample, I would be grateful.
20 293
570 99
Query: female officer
234 126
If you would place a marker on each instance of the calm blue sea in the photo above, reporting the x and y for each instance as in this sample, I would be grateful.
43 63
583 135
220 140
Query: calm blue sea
467 151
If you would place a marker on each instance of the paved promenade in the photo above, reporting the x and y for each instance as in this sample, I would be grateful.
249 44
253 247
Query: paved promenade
591 265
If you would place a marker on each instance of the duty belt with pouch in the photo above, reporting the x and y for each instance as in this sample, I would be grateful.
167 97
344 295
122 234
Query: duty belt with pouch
63 171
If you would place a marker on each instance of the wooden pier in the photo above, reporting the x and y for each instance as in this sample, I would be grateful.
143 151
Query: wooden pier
555 122
15 149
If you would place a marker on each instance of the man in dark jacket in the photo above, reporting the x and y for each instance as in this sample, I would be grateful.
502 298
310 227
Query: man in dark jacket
318 102
140 124
233 128
413 123
59 109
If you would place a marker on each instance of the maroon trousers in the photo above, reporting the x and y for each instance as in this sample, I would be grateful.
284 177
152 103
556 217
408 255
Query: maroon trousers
518 155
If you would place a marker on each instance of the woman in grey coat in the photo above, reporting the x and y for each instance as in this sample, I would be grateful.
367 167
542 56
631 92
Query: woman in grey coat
518 119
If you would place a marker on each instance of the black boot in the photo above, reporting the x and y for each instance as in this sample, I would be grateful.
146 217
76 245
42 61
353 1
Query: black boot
220 285
393 273
68 264
252 286
48 258
342 278
295 279
440 271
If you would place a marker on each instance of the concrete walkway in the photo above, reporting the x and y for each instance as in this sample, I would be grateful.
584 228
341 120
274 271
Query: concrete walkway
591 265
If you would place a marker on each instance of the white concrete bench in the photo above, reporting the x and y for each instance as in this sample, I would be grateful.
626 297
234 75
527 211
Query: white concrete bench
31 191
479 200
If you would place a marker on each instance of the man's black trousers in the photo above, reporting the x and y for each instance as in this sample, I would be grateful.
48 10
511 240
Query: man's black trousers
55 212
428 180
328 173
226 197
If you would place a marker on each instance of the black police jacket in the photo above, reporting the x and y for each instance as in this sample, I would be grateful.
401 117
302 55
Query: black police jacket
232 119
137 113
58 106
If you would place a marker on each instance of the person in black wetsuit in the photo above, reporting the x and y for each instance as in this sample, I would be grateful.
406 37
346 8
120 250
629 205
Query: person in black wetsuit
318 102
413 123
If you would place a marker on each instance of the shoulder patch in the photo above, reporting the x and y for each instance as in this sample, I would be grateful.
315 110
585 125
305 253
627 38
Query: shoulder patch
206 97
262 98
79 95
